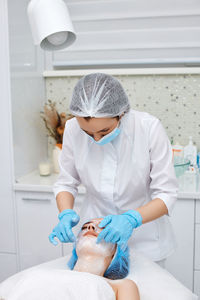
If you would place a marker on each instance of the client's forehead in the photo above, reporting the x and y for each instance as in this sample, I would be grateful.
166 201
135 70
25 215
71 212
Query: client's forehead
96 221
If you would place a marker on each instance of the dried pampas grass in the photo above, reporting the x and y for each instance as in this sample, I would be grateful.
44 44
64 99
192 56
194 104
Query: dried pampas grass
54 122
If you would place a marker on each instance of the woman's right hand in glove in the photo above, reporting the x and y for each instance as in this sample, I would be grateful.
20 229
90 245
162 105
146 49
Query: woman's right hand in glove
63 231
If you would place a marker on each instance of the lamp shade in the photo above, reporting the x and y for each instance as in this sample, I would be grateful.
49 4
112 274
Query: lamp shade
50 24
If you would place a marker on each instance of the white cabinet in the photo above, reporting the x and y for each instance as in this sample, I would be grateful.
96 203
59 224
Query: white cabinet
180 263
37 215
184 263
198 212
197 283
197 251
197 247
8 265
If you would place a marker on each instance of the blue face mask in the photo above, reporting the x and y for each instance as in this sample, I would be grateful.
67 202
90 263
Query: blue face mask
108 137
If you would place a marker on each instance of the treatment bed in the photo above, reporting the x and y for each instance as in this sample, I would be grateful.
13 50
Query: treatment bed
54 281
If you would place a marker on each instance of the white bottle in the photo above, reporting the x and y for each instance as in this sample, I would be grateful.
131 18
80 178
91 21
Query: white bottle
190 152
190 180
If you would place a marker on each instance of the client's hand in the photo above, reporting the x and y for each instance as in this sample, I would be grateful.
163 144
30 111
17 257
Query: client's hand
118 228
63 231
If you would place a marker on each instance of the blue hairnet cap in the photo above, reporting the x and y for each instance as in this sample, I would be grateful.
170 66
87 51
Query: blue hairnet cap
118 268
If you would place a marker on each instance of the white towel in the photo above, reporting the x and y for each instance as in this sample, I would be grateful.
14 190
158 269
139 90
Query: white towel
58 284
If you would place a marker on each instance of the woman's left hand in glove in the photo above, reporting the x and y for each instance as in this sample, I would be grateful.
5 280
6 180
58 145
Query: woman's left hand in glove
118 228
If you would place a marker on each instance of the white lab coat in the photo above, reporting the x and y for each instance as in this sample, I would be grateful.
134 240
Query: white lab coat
124 174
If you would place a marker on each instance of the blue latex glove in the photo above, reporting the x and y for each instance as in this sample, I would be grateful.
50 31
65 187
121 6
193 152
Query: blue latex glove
63 231
118 228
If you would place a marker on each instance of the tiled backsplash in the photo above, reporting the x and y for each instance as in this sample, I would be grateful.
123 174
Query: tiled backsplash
173 98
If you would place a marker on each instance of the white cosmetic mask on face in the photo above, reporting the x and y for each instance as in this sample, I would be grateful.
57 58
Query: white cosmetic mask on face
92 255
89 246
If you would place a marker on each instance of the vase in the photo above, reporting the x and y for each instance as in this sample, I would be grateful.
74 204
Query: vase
55 157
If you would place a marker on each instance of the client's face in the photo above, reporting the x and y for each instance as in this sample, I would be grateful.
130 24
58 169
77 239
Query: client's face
86 242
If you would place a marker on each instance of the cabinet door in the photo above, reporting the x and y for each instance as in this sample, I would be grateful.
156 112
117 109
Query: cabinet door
197 283
8 265
180 263
197 247
198 211
37 215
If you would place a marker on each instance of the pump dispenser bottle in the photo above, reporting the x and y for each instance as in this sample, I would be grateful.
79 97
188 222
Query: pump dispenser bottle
190 152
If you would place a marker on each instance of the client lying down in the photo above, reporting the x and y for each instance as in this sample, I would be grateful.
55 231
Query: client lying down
104 259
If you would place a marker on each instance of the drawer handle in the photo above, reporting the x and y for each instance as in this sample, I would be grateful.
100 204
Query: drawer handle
35 199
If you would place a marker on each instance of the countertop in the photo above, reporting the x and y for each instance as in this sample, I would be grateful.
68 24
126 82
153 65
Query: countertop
189 187
33 182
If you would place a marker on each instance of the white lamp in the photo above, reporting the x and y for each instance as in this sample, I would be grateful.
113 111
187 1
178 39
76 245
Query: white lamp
50 24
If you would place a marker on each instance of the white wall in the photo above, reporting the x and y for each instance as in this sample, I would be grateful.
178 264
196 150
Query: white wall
137 33
8 259
27 91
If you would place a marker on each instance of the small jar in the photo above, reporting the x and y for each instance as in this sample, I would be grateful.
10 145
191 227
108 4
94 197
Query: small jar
44 168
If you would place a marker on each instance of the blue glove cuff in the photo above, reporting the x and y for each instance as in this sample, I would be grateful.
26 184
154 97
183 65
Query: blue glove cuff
66 212
135 215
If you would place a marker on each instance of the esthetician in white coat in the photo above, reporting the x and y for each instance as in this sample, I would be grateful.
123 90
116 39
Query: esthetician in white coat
124 159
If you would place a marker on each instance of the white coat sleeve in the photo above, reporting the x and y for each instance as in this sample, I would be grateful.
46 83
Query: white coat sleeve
163 181
68 179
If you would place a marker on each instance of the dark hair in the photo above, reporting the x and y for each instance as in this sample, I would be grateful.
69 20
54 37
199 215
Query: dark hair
88 118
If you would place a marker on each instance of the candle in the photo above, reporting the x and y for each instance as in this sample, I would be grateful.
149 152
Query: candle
44 168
